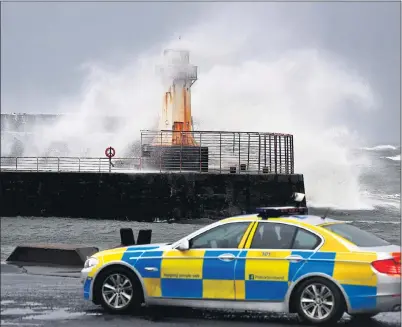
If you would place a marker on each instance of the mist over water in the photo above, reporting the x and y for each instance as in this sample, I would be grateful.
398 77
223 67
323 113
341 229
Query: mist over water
276 88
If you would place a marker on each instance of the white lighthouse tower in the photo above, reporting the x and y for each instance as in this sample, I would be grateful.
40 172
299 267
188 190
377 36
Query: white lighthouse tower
178 76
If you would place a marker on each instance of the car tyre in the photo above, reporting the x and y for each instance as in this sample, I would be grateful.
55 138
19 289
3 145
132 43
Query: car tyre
119 291
319 302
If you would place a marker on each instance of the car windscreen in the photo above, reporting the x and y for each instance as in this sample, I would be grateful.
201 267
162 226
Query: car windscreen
356 235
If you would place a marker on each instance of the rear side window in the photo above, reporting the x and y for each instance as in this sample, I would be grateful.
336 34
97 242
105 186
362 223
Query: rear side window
356 235
273 236
305 240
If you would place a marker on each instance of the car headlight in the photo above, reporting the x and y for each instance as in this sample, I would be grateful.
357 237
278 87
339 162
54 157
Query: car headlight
91 262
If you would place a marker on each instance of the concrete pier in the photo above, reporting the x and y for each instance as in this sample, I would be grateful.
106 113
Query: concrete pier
142 196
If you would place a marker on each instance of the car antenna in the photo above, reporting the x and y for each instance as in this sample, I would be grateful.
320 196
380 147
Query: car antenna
326 214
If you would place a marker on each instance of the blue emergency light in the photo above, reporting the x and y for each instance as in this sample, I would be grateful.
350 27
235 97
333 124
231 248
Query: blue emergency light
276 212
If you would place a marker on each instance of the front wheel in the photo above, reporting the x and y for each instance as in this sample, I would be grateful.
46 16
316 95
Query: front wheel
319 302
119 291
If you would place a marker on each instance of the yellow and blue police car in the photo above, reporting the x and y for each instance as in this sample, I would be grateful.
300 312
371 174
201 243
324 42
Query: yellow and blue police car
277 260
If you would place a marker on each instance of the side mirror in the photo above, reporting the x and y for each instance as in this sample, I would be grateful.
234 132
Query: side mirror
184 245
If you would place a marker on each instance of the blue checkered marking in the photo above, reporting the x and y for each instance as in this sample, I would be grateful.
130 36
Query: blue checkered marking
240 268
318 262
181 288
131 257
87 288
150 259
266 290
361 297
214 268
132 253
294 267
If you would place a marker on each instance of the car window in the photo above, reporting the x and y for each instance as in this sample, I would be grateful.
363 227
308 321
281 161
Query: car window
356 235
273 236
227 236
305 240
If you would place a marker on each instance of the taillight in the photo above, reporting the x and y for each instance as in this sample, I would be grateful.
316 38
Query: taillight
387 266
397 257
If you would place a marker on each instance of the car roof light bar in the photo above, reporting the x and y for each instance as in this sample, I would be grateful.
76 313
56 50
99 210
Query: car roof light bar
276 212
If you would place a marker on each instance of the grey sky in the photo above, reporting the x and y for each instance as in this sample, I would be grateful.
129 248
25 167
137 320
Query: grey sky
45 44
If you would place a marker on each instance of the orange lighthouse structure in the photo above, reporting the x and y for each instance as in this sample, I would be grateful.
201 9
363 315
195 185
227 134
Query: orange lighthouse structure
173 146
178 76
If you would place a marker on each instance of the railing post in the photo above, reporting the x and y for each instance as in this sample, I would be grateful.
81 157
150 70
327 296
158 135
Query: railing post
248 151
234 142
181 149
259 152
220 152
79 165
280 154
141 153
37 164
100 164
270 153
16 163
292 155
286 154
276 153
160 152
200 152
58 164
239 152
265 150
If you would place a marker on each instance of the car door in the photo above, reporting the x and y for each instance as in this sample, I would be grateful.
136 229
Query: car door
263 266
206 270
275 254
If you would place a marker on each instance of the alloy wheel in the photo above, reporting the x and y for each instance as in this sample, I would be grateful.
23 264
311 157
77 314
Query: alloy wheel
117 291
317 301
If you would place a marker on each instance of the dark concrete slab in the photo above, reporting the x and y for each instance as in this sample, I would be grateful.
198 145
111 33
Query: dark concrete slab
52 301
51 254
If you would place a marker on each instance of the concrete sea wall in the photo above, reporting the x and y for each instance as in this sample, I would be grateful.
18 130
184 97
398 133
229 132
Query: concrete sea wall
142 196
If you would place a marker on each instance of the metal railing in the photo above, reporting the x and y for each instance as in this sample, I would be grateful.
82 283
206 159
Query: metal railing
68 164
222 152
212 151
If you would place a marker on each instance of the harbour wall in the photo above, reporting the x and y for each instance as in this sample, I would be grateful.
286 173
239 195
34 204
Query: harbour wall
142 196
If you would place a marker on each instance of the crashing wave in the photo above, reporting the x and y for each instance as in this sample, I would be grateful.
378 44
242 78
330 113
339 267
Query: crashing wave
395 158
381 147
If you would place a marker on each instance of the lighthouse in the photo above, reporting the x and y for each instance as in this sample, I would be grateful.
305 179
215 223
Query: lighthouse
174 146
178 76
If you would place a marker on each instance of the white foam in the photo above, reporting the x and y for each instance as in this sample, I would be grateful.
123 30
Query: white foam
364 205
395 158
380 147
379 200
370 222
245 83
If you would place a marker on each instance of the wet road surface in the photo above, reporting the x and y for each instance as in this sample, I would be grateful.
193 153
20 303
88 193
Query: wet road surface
29 298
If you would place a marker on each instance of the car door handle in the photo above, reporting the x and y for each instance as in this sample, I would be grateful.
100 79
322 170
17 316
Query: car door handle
151 268
294 258
226 257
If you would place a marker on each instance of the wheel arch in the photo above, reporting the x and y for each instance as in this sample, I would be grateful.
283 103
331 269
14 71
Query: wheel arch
121 264
293 287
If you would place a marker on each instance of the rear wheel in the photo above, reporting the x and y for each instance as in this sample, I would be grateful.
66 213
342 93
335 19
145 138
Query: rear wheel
119 290
319 301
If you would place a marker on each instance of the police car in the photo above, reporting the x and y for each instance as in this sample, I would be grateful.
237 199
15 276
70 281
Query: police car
277 260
